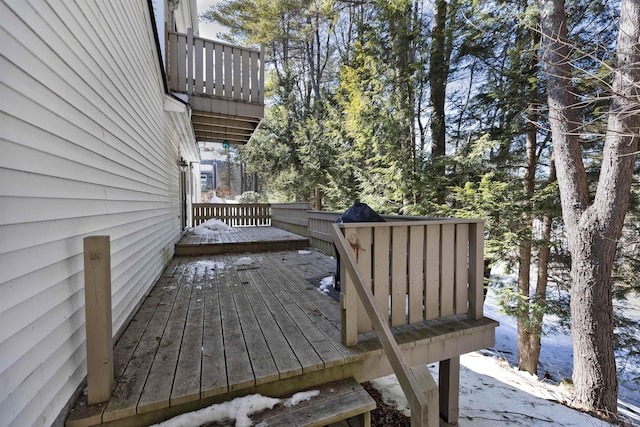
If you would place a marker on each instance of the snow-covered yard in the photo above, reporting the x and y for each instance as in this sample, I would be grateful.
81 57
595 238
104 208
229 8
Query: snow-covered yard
494 393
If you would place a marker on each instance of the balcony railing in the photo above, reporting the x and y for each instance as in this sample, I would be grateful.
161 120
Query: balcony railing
198 66
224 85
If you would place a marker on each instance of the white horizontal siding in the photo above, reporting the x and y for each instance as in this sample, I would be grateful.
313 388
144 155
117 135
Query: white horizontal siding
87 149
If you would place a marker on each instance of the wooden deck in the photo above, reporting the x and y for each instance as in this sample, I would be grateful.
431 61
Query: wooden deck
238 240
214 328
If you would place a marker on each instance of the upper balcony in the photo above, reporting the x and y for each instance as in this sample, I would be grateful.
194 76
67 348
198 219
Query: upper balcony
224 85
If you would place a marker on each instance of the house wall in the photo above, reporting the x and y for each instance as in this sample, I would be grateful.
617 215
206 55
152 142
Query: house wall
86 148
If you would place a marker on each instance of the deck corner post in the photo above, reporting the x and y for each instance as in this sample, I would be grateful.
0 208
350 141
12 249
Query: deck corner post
97 294
476 270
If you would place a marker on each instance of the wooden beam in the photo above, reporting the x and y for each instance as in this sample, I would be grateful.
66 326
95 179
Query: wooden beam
97 296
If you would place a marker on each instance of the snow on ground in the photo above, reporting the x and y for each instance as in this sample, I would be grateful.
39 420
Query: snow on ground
239 409
213 225
326 285
245 260
493 393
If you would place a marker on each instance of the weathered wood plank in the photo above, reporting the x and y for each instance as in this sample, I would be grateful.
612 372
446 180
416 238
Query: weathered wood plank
97 279
182 63
447 253
237 80
289 288
209 67
186 384
130 339
157 390
295 335
336 401
262 363
399 276
461 269
126 394
321 309
239 371
284 358
228 78
219 70
214 373
199 70
476 270
381 284
246 74
416 273
363 255
432 268
349 299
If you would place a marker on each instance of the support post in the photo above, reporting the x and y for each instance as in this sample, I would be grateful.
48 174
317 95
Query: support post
97 298
449 384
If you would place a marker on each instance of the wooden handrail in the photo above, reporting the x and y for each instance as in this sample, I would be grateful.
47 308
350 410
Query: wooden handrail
418 402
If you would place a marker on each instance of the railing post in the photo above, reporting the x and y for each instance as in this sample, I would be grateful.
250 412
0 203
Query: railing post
97 300
476 270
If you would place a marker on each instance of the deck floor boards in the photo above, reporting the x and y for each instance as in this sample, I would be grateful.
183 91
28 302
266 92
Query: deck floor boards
213 328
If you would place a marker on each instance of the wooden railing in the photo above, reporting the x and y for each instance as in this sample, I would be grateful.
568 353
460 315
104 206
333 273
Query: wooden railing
199 66
417 270
418 385
292 217
418 273
233 214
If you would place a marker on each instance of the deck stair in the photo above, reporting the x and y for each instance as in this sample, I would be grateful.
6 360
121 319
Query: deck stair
238 240
337 401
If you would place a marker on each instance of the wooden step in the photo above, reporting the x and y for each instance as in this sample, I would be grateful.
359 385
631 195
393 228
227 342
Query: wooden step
337 401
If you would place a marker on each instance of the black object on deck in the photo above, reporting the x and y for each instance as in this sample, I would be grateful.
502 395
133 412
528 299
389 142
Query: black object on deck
358 212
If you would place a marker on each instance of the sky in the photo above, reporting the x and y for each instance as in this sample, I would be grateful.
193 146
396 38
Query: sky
208 30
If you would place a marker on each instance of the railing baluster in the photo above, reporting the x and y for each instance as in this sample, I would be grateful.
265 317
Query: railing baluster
237 80
446 269
416 275
260 87
209 66
199 47
246 73
227 62
173 59
461 269
398 275
182 63
432 269
189 61
218 79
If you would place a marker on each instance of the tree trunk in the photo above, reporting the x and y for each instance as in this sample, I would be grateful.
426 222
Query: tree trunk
593 230
527 358
438 73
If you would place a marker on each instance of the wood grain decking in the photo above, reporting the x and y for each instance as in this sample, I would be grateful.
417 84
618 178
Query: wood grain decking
237 240
214 328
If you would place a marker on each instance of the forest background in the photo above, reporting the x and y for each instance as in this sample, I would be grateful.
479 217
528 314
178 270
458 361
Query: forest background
441 108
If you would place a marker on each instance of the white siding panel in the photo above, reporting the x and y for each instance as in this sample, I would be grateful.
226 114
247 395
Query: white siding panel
87 149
